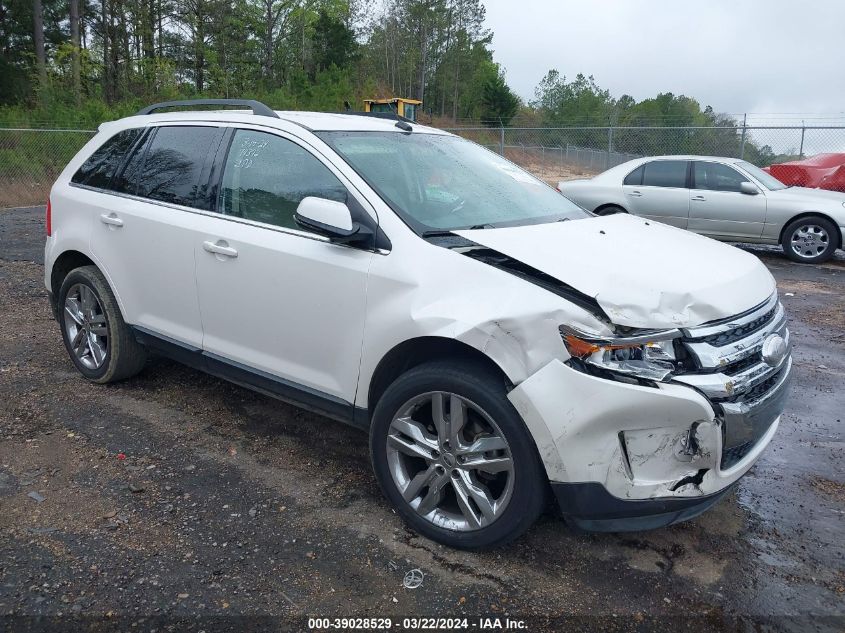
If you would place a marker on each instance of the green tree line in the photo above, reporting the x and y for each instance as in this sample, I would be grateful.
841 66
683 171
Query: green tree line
86 60
79 62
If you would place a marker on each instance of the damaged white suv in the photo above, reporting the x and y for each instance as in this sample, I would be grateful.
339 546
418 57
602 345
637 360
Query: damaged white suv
501 346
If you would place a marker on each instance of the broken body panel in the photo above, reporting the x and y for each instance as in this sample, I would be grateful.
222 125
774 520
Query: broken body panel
643 444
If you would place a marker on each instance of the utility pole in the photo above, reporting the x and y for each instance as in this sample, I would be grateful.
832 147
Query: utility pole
744 130
803 130
38 38
74 40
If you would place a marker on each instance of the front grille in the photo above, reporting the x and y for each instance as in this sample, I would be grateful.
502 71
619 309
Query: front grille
737 367
736 333
760 389
731 373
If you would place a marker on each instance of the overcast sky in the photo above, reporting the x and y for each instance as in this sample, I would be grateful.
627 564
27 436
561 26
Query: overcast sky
764 56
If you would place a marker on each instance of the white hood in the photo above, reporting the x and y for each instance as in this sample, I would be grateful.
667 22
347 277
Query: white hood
642 273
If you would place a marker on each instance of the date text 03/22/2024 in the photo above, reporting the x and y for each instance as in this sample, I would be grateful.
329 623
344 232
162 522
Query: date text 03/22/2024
418 624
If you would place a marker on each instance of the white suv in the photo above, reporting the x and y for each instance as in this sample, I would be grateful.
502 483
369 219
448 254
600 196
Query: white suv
500 345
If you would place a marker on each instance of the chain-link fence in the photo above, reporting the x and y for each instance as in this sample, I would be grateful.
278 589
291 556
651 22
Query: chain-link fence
31 159
563 153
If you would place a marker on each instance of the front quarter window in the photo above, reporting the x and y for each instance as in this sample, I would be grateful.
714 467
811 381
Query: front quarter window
764 178
442 182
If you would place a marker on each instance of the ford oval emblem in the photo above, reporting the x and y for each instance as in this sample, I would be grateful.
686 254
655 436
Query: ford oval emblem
774 350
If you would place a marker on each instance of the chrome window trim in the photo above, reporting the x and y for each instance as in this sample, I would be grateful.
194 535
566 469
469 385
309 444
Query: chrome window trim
211 214
229 218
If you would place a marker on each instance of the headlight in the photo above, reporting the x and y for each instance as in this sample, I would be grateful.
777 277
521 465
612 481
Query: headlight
649 355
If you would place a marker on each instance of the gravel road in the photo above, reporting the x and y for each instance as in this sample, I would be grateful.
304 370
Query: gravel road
177 501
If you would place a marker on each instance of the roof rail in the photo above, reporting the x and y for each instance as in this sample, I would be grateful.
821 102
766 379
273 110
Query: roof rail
257 107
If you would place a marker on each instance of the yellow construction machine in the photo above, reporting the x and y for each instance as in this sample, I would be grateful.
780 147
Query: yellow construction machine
406 108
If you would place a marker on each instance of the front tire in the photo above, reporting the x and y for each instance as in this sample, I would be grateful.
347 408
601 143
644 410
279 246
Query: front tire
454 457
810 240
97 339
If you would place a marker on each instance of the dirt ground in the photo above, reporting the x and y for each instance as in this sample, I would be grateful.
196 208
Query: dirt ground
176 501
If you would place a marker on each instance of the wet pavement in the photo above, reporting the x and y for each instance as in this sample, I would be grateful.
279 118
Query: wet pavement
178 500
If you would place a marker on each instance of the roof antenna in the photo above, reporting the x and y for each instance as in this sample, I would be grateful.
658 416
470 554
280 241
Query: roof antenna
404 126
346 106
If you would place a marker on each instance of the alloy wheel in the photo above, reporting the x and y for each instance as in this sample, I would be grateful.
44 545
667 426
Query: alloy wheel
450 461
85 323
809 240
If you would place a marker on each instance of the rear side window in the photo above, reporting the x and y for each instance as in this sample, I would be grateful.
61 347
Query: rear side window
101 166
172 164
267 176
635 177
665 173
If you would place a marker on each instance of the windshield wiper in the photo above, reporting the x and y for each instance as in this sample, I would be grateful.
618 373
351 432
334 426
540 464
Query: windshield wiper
476 227
436 233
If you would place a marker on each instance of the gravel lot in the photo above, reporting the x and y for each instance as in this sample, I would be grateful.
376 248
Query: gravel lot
230 505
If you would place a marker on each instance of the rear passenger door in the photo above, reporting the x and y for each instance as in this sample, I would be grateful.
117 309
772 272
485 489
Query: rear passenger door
719 208
658 190
145 229
281 306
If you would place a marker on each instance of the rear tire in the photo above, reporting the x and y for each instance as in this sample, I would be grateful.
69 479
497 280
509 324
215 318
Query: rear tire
468 499
98 341
610 209
810 240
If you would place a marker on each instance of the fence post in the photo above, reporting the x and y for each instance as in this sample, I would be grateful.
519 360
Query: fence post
501 139
803 129
744 130
609 146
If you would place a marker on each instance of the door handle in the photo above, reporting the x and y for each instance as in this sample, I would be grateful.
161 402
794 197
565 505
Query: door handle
635 194
111 219
698 199
220 247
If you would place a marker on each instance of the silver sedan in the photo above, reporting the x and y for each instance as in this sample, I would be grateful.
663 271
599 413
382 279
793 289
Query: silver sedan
724 198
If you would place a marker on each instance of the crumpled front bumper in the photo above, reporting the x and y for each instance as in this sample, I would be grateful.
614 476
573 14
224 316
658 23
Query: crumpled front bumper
589 507
623 456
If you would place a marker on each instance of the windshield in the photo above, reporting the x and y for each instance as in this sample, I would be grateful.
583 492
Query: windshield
766 179
446 183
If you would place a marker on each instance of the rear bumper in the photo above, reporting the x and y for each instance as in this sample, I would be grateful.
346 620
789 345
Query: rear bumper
591 508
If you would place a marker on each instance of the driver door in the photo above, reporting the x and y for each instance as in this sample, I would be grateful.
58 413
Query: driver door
719 208
276 300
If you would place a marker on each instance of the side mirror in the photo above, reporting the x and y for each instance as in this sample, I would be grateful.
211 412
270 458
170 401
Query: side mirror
327 217
748 188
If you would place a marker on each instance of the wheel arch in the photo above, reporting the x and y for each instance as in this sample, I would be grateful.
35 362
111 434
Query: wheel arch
65 263
608 205
69 260
419 350
810 214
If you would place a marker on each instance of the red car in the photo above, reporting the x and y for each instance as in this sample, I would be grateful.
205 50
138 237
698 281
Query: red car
823 171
